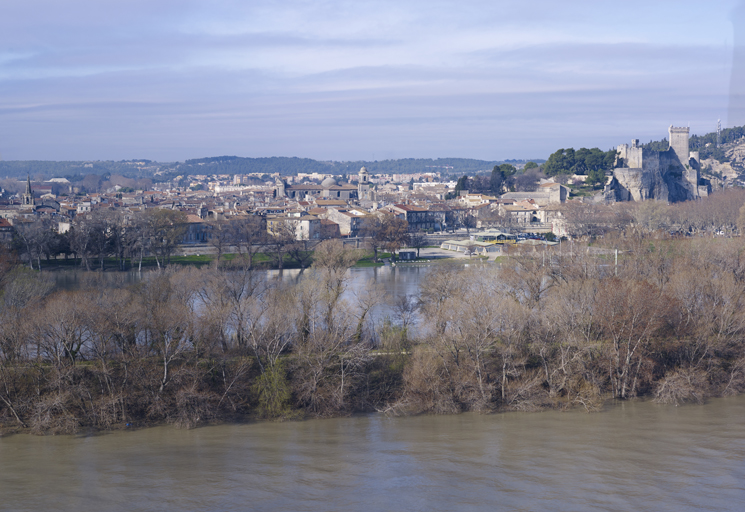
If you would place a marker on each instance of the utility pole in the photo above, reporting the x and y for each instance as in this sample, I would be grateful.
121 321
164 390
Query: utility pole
719 132
544 253
616 269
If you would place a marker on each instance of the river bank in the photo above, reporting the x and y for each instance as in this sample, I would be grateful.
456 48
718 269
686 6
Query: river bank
189 346
261 261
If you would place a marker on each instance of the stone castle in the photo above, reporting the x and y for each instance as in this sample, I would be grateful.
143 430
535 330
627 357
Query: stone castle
671 176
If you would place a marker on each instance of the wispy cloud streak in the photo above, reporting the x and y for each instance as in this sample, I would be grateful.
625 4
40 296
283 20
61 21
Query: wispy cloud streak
348 80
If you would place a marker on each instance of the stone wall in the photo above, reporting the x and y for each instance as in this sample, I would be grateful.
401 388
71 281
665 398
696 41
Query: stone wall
634 185
670 176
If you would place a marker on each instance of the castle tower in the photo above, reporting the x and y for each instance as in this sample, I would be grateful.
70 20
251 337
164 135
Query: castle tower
363 186
679 143
27 199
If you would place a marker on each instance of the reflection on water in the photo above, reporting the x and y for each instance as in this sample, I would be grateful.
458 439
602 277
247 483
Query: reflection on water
396 280
635 456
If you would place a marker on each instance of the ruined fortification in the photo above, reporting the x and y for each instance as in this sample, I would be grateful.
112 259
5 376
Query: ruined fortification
671 176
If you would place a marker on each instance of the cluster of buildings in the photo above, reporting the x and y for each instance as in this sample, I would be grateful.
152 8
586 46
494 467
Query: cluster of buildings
315 208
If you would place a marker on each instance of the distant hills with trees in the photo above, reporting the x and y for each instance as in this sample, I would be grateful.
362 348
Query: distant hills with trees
160 171
564 161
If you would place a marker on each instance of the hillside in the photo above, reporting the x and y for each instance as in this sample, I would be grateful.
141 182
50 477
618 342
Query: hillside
239 165
706 145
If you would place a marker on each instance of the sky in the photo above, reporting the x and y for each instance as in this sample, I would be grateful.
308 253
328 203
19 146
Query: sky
170 80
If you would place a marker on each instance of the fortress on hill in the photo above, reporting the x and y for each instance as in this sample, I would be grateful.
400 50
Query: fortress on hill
672 175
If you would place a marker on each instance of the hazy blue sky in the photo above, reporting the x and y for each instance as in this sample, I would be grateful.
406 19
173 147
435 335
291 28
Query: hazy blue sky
342 80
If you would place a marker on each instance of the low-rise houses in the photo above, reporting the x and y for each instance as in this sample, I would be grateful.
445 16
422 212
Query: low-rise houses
305 227
308 210
349 222
6 231
522 213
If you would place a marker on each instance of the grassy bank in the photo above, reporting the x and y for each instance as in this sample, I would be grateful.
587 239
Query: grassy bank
259 261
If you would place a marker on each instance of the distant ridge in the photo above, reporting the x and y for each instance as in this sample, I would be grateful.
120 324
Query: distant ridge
240 165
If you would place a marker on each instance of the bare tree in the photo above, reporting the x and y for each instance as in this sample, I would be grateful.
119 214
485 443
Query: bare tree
36 239
81 236
370 230
469 222
651 216
632 314
166 229
301 252
528 181
61 328
103 229
417 240
330 356
434 295
394 233
280 241
167 317
221 236
249 236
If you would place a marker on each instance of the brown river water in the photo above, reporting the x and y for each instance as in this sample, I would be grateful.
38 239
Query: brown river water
632 456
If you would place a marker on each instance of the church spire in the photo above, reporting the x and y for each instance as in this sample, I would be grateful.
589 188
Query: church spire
28 198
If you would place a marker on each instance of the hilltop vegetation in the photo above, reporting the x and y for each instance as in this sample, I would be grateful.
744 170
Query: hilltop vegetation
590 162
699 143
74 171
239 165
564 161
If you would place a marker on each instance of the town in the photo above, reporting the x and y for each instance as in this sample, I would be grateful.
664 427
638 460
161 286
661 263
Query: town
114 216
303 208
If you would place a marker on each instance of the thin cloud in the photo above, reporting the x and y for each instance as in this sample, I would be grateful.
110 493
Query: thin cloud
343 80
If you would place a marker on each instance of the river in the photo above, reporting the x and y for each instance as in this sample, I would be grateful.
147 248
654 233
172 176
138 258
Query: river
400 280
395 281
632 456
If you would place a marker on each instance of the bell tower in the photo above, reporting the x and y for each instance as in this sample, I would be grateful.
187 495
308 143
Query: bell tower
27 199
363 186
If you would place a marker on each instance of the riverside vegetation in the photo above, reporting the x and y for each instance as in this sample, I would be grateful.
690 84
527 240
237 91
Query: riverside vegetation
553 328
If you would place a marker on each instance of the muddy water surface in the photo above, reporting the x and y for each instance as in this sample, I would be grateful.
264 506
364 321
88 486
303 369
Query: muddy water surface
634 456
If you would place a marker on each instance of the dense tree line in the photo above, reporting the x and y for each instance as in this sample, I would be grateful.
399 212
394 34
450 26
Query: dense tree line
592 163
503 178
568 330
186 346
560 327
721 214
74 170
97 237
286 166
103 233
